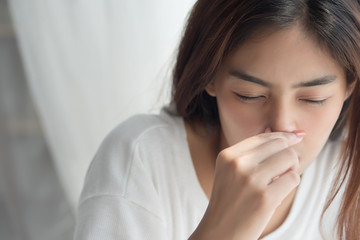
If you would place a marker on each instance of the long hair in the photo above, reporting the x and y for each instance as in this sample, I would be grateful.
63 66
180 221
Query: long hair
216 28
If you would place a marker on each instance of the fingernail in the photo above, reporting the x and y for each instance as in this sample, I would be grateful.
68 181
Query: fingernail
299 133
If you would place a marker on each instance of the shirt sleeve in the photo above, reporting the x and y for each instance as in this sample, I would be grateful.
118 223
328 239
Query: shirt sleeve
120 199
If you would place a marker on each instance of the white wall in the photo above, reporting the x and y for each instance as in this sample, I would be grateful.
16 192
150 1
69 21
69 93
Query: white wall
90 64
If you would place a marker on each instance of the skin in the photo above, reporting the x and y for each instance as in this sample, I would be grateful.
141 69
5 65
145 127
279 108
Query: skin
259 160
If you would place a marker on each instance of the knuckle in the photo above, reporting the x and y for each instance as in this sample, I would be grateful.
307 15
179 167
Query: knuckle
263 198
294 177
292 158
224 155
239 165
235 165
282 142
251 182
291 154
232 164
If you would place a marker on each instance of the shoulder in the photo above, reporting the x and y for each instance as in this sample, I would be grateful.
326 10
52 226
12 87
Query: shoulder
141 126
131 153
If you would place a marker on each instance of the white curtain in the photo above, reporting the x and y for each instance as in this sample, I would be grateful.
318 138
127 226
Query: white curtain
90 64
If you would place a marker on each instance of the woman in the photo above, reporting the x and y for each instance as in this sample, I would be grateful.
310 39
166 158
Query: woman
265 98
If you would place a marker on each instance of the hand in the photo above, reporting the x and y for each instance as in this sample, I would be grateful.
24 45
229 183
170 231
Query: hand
251 179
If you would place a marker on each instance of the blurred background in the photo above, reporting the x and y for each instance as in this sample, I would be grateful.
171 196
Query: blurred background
70 71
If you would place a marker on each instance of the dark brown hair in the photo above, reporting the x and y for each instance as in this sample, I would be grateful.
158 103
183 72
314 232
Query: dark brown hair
215 28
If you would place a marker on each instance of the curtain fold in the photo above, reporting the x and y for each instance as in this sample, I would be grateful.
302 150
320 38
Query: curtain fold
92 64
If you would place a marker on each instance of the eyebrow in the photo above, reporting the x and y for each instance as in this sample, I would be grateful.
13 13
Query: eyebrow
317 82
327 79
248 78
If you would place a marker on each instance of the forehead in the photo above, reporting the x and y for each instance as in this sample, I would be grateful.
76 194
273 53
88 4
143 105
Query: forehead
285 55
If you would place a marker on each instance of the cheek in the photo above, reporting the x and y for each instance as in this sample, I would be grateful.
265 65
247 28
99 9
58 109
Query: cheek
239 121
320 121
318 124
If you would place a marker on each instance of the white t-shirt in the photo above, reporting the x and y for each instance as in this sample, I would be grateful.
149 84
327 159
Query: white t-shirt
142 185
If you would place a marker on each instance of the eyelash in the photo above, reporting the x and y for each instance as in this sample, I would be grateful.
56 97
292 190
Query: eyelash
315 102
248 98
251 99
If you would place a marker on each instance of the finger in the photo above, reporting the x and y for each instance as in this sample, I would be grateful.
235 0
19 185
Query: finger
277 165
256 141
281 187
266 150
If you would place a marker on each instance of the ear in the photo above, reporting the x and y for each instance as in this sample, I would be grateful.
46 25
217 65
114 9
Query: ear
210 89
350 89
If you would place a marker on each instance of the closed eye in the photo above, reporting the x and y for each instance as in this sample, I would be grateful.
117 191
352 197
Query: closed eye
249 98
315 102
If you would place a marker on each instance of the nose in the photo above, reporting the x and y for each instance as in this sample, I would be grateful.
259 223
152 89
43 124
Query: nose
281 116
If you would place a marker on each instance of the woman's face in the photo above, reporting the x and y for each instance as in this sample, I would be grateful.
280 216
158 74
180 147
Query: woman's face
283 82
